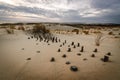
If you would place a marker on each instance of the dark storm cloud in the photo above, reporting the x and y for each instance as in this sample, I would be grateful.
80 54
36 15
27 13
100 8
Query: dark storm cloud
112 5
106 4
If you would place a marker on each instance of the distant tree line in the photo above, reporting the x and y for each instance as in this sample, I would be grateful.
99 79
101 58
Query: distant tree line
78 25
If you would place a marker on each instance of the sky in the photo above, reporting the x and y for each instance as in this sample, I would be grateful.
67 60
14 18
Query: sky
83 11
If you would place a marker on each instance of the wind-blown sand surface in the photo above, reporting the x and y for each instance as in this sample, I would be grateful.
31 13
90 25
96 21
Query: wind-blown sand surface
16 48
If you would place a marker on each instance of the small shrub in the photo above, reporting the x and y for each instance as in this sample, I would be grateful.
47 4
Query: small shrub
98 39
10 31
38 28
76 31
86 32
110 33
21 28
12 27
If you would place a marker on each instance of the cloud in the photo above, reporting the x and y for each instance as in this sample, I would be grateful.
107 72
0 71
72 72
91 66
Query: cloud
111 6
89 11
106 4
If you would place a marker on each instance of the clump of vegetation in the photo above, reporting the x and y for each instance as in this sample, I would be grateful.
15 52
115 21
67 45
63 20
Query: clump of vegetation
10 29
115 29
98 39
21 28
85 32
40 32
110 33
76 31
96 32
38 28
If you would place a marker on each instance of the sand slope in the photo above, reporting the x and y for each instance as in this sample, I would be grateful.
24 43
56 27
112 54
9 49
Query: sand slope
14 66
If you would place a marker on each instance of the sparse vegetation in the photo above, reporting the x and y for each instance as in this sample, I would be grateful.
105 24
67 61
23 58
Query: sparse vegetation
110 33
86 32
76 31
21 28
98 39
10 31
38 28
12 27
39 31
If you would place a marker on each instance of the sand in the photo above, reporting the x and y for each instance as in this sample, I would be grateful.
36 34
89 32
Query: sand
16 48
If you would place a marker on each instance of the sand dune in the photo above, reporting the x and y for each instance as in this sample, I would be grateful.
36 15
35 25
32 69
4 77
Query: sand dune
16 48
